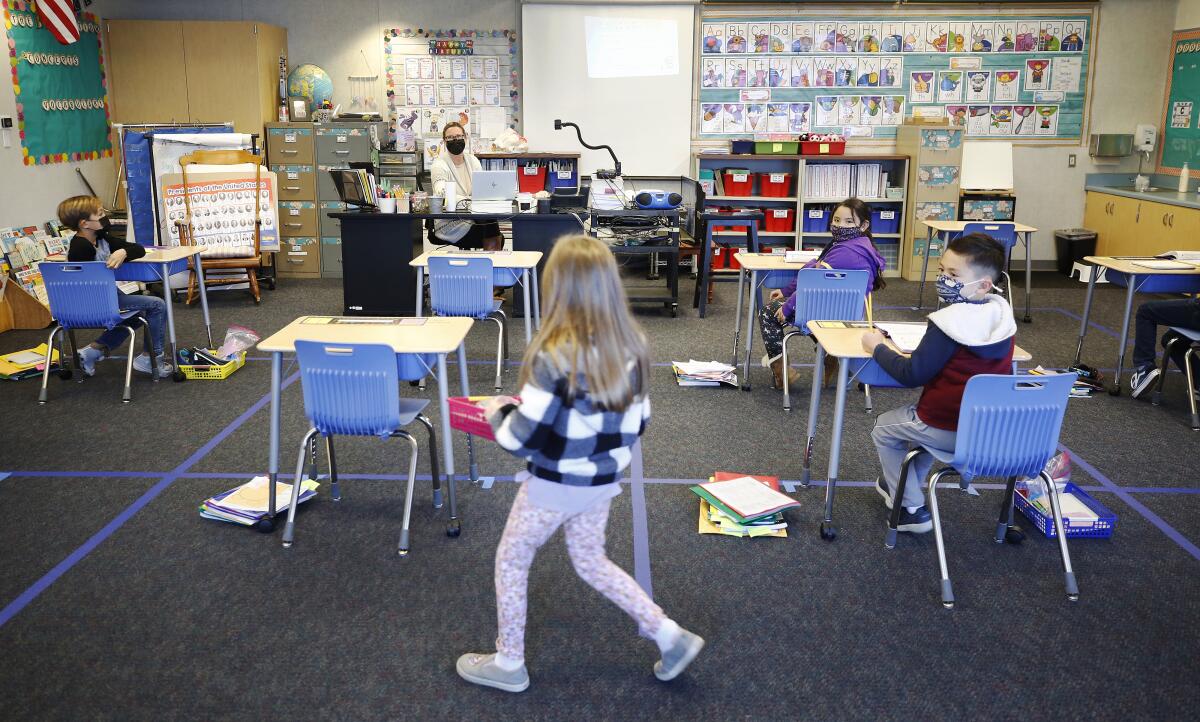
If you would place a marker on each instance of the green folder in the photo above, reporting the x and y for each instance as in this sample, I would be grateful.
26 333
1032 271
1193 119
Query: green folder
703 494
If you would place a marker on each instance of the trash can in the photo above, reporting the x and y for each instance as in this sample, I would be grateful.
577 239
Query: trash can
1071 245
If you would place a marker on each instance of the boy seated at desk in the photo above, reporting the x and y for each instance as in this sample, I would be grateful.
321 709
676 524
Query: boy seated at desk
1181 313
971 334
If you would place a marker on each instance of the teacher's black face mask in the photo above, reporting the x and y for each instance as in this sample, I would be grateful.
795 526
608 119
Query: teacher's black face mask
456 146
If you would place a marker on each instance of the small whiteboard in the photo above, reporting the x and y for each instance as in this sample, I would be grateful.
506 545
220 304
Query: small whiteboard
986 166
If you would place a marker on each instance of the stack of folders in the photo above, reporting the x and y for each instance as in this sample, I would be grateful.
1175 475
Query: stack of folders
25 364
741 505
703 373
1083 388
248 503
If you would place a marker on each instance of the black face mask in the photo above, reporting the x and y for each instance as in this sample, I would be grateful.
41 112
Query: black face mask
105 224
456 146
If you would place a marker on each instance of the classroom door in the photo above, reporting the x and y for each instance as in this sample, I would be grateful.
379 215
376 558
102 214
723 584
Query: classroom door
1097 217
1123 230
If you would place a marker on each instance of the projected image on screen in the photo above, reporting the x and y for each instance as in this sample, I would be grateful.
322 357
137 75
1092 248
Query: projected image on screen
631 47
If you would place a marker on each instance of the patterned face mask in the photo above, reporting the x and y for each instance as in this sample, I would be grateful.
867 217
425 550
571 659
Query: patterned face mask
844 234
950 290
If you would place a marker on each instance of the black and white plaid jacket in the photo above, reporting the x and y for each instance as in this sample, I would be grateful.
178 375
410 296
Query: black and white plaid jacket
567 438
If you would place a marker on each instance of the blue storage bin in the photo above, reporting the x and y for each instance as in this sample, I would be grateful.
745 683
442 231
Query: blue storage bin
816 220
1102 528
881 223
1157 284
780 279
415 366
741 147
505 277
564 179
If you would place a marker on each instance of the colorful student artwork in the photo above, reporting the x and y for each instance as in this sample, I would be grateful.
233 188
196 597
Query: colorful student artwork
868 68
934 176
799 117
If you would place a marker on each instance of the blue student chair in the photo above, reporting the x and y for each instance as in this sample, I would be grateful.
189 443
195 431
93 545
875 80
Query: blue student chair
463 287
84 295
354 390
1191 338
824 295
1008 426
746 221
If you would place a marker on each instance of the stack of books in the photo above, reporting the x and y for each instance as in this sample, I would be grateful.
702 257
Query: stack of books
743 505
703 373
246 504
25 364
1083 388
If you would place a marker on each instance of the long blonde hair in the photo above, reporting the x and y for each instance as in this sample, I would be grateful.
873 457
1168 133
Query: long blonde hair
587 328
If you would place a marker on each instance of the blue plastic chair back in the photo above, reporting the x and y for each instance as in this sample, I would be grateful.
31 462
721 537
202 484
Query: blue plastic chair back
461 286
824 294
1178 283
1009 425
1004 232
82 295
350 389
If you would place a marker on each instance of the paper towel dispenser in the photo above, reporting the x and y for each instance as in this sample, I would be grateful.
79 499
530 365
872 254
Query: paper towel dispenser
1110 145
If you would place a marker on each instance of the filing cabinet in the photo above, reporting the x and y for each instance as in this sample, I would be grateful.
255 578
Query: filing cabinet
298 218
300 257
339 145
296 182
331 257
291 154
331 227
290 143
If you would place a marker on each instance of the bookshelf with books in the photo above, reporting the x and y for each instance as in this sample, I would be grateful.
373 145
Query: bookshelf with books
798 193
23 299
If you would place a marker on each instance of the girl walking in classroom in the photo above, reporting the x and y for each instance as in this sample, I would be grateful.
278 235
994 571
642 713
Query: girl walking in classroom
583 404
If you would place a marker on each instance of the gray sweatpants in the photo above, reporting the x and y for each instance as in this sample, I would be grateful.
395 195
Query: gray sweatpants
895 434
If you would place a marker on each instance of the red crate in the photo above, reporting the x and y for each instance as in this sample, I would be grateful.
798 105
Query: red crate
780 220
775 185
531 179
743 187
810 147
467 415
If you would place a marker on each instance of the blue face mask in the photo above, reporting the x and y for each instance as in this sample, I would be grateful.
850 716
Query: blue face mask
950 290
841 233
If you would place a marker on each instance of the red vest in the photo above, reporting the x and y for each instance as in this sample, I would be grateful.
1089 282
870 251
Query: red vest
942 397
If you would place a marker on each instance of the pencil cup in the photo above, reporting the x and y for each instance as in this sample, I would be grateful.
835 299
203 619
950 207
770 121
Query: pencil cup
435 204
387 205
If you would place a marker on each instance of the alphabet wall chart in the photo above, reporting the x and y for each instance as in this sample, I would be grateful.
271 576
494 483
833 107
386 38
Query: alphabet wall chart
1011 77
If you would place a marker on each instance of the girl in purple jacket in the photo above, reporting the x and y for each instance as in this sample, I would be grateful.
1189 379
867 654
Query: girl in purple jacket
851 249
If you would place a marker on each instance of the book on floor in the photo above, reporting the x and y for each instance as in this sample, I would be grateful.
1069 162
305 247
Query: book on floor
703 373
248 503
714 521
744 499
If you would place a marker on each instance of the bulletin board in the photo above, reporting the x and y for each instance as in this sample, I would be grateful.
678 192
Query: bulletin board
1013 76
438 76
1180 119
61 90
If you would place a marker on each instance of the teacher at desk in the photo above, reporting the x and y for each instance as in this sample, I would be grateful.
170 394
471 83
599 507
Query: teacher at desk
455 166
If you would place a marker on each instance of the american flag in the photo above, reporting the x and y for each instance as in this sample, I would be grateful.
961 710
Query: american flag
59 18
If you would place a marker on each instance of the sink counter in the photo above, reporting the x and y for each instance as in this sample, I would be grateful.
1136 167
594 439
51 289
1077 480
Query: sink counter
1160 195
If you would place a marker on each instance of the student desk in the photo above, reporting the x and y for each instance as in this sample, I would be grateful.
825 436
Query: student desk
1122 269
156 266
436 335
846 344
525 261
754 264
944 229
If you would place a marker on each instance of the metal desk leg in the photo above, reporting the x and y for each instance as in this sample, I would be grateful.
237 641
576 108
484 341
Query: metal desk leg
166 274
828 530
420 292
267 523
537 303
737 317
814 408
527 308
751 307
924 271
1028 275
1087 311
1116 386
455 526
203 298
466 391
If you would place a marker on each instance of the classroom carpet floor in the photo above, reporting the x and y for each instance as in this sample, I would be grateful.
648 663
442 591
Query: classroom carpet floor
120 602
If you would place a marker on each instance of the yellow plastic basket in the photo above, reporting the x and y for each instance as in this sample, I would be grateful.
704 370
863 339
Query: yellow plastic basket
214 373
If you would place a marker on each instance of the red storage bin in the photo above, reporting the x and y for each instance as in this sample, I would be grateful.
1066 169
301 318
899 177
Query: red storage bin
781 220
531 179
823 148
722 258
466 415
775 185
739 183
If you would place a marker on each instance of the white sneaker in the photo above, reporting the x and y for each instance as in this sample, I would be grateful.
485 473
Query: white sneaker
142 364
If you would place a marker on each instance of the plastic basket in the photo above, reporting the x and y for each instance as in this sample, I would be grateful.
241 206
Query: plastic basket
774 147
531 179
563 179
774 185
823 148
816 220
213 373
780 220
886 220
741 147
1102 528
467 416
739 183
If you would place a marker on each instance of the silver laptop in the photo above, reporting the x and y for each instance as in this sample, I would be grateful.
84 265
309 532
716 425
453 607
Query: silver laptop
494 185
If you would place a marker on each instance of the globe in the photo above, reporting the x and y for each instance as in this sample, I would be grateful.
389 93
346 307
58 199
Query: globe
311 83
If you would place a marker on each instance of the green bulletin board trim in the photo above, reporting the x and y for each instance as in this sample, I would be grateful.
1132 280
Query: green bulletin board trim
1072 110
1183 87
61 90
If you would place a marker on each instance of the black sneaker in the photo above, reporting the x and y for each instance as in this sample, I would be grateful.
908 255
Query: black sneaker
881 487
1141 380
915 522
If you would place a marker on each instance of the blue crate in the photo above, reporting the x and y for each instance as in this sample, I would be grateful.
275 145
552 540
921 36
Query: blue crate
879 224
1103 528
816 220
568 179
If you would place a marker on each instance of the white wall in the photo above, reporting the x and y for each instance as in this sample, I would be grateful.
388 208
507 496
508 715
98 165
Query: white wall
1187 16
1127 88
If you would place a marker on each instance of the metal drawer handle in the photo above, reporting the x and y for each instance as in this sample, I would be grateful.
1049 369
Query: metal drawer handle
293 260
294 225
291 188
342 152
288 150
